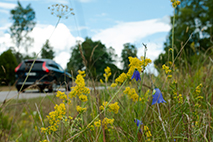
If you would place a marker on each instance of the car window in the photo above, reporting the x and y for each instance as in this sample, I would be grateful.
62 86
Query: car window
60 68
54 66
27 64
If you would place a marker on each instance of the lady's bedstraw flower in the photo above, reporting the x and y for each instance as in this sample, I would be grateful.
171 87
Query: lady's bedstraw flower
114 85
131 93
107 73
63 97
97 123
136 75
157 97
103 106
54 118
80 109
175 3
166 69
80 90
114 107
122 77
106 121
101 81
146 61
138 64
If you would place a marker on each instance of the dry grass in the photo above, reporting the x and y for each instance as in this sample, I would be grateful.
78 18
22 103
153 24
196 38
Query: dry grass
7 88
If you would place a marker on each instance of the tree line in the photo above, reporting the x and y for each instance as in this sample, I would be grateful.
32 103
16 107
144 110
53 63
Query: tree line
193 33
193 26
96 55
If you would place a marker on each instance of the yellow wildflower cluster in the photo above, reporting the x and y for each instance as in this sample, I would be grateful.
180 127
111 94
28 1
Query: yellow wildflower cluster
44 141
54 118
82 73
146 62
107 73
101 81
114 107
197 96
135 63
114 85
138 64
80 90
80 109
198 89
103 106
131 93
97 123
147 133
179 98
145 97
197 105
107 121
174 82
83 98
122 77
175 3
169 76
166 69
91 127
63 96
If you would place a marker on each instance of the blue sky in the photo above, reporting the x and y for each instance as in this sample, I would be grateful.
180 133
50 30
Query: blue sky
112 22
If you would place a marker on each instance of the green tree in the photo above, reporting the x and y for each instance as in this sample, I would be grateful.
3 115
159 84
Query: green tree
23 23
129 50
47 51
97 57
193 21
7 66
19 57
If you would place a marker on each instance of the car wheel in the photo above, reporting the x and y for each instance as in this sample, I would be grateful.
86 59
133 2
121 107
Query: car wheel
41 89
68 85
19 88
53 87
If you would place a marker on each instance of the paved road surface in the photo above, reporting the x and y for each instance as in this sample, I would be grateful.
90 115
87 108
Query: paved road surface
28 94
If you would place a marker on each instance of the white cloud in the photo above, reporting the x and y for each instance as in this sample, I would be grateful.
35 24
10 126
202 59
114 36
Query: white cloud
7 5
4 11
85 1
133 32
5 42
61 41
62 58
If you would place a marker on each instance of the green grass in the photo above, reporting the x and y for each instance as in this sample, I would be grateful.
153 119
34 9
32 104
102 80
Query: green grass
178 118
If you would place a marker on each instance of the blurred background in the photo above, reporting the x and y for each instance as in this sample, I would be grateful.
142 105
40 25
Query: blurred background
114 29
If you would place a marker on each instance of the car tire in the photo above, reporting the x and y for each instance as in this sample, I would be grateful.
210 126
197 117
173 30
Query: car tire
41 89
18 88
22 90
53 87
68 85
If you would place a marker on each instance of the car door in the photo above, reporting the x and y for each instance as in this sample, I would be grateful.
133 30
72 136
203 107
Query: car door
62 73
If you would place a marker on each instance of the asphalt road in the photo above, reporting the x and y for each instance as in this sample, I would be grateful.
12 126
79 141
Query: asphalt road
6 95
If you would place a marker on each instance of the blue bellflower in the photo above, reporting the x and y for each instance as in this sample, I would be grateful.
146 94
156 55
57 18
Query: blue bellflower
157 97
136 75
138 122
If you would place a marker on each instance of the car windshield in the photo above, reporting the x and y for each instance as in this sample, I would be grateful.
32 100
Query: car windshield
27 64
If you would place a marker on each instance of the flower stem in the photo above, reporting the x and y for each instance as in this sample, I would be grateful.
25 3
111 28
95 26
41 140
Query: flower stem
173 29
161 121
